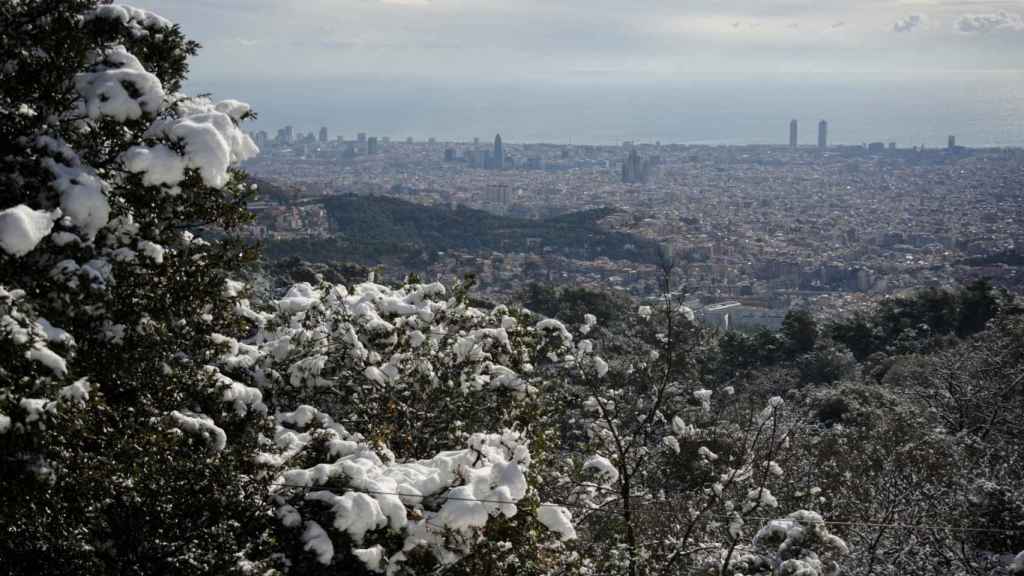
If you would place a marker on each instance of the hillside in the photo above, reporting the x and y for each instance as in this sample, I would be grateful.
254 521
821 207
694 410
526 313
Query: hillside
378 229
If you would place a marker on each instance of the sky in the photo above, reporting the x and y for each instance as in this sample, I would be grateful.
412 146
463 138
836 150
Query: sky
607 70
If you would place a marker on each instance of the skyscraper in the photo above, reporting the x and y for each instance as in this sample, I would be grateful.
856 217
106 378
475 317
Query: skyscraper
286 135
323 135
792 133
635 170
371 145
952 142
822 134
499 153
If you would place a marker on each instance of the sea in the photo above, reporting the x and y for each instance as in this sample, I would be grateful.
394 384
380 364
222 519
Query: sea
981 108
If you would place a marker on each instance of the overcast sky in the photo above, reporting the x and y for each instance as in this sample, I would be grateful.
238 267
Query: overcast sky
368 47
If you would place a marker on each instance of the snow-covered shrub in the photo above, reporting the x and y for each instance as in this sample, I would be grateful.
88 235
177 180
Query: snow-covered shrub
404 423
671 476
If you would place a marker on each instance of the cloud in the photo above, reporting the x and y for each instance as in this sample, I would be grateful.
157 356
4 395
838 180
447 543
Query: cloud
983 23
908 24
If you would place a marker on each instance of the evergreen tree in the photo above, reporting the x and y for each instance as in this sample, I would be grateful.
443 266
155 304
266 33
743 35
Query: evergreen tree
110 460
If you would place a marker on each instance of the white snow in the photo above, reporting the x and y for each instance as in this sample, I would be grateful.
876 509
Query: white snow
707 454
22 229
159 164
54 334
104 92
153 250
557 519
795 530
289 516
242 397
604 467
232 108
202 425
704 397
760 497
475 484
35 408
212 140
317 541
48 358
76 392
671 442
131 17
82 199
373 557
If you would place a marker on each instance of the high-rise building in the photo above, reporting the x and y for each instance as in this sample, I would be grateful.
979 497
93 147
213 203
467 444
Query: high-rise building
286 135
449 154
408 140
323 135
261 139
634 170
499 153
361 137
792 133
371 145
822 134
952 142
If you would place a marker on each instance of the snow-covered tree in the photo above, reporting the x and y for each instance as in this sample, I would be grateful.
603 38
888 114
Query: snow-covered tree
119 449
672 477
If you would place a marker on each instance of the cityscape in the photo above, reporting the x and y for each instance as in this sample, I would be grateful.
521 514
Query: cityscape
872 221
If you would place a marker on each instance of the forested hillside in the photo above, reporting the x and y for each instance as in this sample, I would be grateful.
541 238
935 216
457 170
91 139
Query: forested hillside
375 229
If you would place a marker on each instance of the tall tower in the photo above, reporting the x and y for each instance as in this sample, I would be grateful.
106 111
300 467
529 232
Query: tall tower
323 134
499 153
792 133
952 142
822 134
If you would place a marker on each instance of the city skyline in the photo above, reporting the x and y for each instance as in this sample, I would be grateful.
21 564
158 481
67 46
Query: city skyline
599 72
288 135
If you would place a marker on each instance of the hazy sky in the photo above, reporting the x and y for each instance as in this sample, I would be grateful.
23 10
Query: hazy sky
415 64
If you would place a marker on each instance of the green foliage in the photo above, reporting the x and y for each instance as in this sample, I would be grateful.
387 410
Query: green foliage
800 331
375 229
571 304
921 322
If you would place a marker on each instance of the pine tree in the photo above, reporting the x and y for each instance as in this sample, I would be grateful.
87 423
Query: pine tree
119 452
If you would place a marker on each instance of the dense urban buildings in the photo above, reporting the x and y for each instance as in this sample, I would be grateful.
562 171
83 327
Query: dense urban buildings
767 227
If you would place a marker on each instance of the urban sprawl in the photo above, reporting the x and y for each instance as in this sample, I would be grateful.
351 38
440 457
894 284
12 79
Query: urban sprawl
757 230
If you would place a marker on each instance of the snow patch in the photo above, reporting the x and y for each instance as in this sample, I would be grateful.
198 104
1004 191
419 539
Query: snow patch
22 228
557 519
